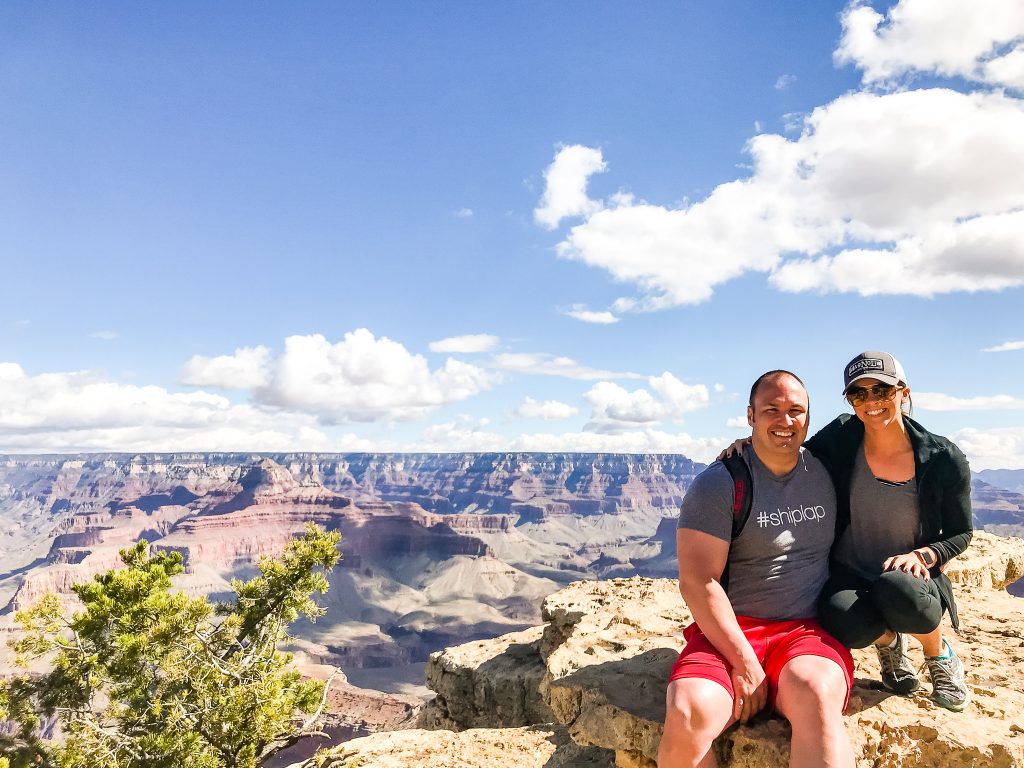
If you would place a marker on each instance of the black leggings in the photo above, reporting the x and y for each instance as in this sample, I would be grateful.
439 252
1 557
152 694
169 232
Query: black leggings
857 611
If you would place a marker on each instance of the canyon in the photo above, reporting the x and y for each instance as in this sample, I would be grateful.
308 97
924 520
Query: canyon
438 549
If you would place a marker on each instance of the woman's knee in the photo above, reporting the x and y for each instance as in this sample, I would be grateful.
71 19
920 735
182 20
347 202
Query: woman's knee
850 618
907 603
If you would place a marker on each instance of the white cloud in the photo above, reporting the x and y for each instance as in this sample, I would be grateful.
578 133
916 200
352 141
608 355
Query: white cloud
84 411
549 410
1008 346
565 190
103 335
1001 448
935 401
784 81
581 313
544 364
460 436
464 213
679 397
470 344
737 422
362 378
914 192
981 41
615 408
22 323
248 368
979 254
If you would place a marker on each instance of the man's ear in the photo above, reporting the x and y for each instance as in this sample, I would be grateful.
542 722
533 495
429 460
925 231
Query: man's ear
750 416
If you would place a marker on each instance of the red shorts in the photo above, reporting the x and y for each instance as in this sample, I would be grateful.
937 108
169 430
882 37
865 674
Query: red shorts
774 642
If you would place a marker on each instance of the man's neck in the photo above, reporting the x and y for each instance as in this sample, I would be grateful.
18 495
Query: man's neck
778 466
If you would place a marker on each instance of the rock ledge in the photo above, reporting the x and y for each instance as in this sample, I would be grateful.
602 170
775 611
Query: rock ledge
598 669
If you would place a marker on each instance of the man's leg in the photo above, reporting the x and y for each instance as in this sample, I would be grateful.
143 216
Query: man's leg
697 710
811 694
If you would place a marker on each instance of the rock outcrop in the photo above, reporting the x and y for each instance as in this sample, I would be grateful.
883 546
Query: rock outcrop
350 712
548 746
600 664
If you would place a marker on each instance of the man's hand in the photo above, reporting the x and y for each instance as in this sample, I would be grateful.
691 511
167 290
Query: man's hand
751 689
910 562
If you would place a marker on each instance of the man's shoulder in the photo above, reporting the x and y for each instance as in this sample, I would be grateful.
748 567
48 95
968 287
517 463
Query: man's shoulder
713 486
715 475
707 504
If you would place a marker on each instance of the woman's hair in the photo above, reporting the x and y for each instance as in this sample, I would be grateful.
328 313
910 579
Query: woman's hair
909 410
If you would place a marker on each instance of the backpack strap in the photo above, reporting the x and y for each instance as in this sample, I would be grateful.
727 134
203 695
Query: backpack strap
742 491
742 498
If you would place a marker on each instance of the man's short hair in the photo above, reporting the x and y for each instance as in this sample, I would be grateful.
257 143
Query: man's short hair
770 375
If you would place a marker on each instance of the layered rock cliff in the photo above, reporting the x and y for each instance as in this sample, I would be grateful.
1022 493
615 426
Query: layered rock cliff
595 675
545 495
436 548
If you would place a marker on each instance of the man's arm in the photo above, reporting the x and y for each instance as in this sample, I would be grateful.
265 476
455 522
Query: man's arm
702 558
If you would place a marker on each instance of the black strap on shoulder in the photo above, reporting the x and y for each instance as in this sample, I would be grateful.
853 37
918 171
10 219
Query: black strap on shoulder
742 496
742 491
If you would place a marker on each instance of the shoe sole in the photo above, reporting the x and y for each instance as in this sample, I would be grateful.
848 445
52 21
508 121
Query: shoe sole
908 692
950 707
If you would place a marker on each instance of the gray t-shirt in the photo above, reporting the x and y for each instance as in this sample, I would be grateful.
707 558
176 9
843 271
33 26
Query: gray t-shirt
885 520
779 562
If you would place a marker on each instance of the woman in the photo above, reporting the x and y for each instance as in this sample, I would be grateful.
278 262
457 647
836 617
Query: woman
904 511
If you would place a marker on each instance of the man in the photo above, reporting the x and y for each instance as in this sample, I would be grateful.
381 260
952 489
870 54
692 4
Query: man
756 643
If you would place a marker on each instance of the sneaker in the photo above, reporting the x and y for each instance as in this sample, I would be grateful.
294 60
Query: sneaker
948 687
898 675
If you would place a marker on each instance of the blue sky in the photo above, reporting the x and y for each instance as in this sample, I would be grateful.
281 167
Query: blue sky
393 226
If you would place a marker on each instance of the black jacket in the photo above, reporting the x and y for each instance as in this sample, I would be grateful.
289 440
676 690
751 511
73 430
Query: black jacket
943 489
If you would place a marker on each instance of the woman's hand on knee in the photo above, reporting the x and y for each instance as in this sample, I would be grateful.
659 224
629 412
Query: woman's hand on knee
909 562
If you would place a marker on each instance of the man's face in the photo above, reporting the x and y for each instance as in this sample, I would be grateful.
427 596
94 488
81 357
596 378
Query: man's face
778 418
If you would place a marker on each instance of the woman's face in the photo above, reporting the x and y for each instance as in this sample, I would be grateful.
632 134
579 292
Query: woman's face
872 406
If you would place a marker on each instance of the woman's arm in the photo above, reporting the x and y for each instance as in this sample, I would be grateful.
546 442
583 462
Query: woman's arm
954 509
835 443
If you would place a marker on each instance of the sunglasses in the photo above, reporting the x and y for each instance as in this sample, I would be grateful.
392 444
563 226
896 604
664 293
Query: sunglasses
860 395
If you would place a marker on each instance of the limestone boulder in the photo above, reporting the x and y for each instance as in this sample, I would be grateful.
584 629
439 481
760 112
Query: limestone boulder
489 683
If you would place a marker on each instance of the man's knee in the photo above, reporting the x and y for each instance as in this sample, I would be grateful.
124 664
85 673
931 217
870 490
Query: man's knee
811 684
697 707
